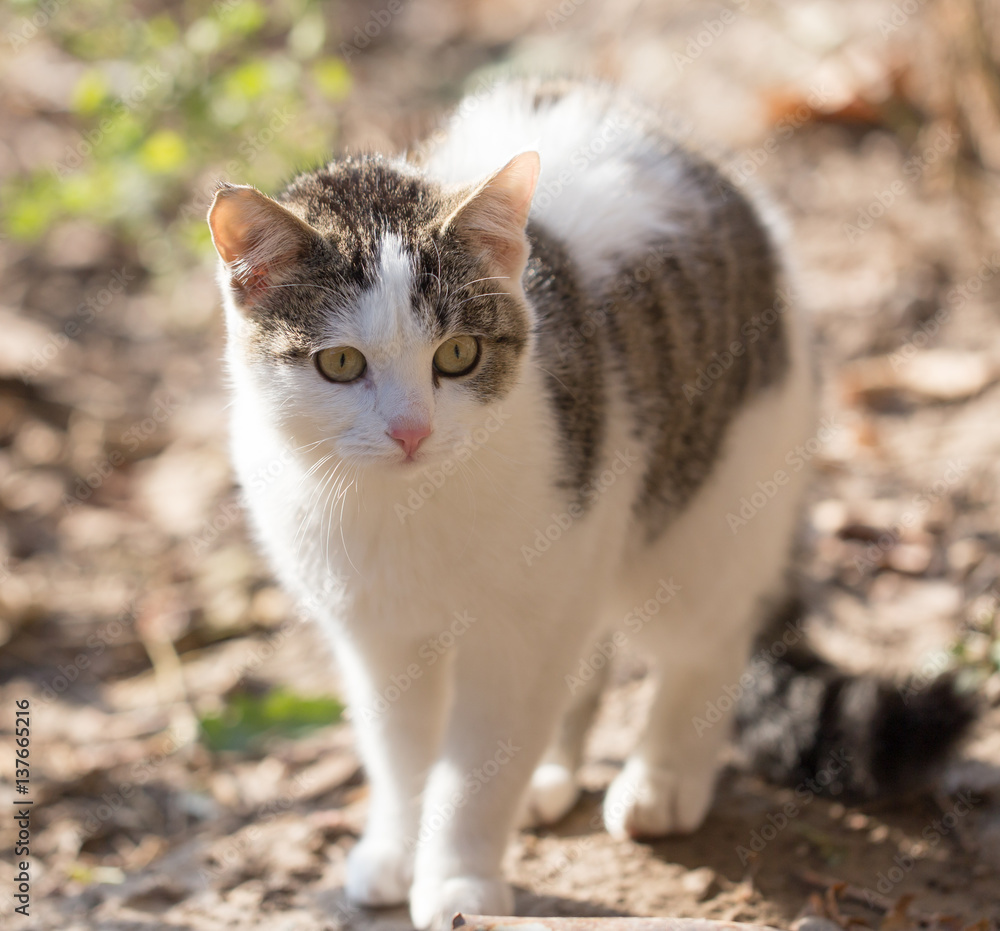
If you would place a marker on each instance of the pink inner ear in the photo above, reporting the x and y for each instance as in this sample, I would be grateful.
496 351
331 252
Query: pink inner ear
255 235
495 215
228 233
519 178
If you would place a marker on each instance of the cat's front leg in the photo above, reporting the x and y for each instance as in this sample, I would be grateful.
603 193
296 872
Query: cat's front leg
502 717
398 708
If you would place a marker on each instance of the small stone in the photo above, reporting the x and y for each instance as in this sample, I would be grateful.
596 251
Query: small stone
909 558
965 555
879 835
270 607
702 883
829 516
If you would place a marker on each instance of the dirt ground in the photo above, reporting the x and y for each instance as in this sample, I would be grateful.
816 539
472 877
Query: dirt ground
132 601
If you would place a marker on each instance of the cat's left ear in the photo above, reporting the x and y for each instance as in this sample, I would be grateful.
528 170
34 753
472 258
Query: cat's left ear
492 218
256 237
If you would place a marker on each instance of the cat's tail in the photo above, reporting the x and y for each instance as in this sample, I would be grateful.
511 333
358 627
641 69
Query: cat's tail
801 721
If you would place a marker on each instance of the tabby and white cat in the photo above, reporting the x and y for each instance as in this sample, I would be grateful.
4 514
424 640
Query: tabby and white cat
518 387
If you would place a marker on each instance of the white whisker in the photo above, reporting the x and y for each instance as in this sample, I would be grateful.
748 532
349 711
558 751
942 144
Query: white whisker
476 297
469 284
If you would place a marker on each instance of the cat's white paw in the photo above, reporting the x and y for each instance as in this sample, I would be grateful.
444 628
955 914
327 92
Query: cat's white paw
433 904
643 802
378 873
550 795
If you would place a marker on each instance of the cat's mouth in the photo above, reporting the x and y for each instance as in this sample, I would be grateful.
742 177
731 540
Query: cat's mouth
420 461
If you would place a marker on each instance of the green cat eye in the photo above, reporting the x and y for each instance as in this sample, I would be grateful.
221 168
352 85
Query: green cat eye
457 356
341 364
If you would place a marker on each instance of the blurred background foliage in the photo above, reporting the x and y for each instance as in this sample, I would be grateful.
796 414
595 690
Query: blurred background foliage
162 104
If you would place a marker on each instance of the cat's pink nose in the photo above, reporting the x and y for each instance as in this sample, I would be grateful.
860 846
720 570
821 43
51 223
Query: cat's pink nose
409 435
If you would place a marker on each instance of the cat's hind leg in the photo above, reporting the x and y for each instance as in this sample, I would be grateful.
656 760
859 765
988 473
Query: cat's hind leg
726 573
700 643
668 782
553 789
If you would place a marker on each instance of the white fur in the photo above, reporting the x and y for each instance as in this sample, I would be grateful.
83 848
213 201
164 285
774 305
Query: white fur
599 191
450 735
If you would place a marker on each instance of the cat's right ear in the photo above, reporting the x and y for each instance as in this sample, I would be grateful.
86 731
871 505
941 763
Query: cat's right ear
492 216
256 237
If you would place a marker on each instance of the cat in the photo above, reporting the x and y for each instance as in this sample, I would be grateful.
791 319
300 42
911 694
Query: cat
520 383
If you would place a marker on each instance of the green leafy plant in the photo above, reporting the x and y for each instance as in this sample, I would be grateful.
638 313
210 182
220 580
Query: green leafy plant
248 721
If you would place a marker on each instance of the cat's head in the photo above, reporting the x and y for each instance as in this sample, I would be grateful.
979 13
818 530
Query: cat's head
379 315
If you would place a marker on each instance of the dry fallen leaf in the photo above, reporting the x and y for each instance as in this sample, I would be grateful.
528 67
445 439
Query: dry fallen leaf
928 375
898 918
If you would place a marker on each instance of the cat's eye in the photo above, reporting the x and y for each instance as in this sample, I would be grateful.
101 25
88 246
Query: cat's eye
341 364
457 356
